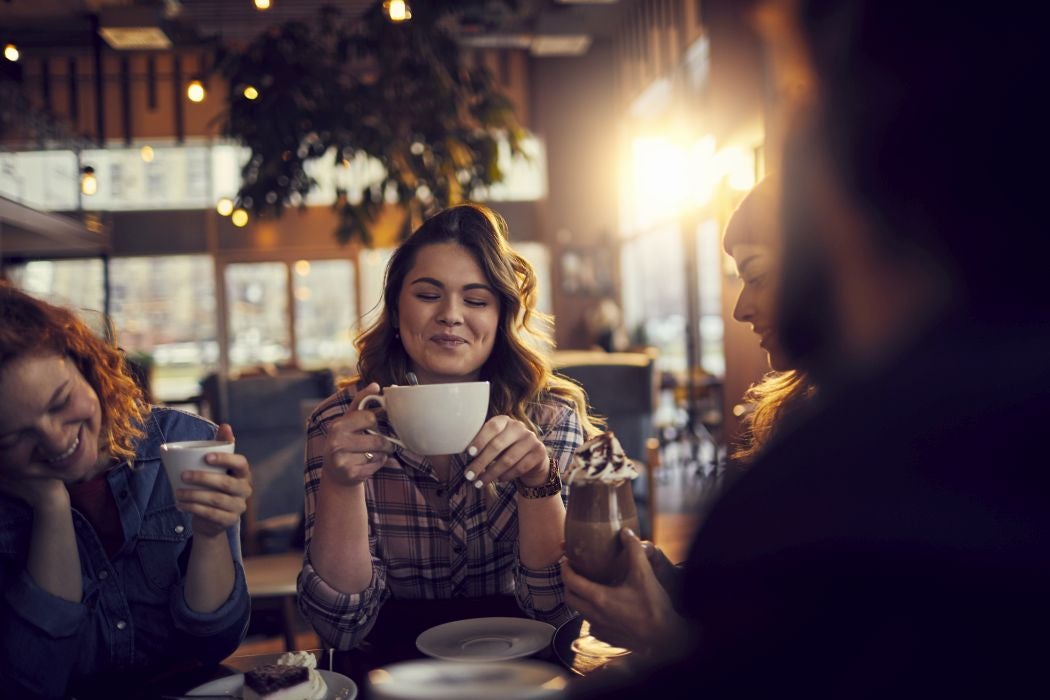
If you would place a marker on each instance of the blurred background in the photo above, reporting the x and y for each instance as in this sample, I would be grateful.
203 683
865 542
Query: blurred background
219 185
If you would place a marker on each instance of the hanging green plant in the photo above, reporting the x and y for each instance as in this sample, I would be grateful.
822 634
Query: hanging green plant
396 107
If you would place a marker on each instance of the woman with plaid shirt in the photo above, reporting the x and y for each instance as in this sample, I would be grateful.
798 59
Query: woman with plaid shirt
382 522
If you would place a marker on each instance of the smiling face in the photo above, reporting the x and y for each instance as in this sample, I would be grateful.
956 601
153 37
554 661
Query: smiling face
50 420
448 315
758 267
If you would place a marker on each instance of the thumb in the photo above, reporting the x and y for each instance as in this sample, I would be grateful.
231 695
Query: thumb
635 550
225 432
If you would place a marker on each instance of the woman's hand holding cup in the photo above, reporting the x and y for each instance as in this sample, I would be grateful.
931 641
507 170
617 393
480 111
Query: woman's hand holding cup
505 449
219 499
352 454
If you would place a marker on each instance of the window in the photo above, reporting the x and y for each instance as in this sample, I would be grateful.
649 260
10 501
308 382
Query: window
77 284
654 295
257 314
325 313
164 311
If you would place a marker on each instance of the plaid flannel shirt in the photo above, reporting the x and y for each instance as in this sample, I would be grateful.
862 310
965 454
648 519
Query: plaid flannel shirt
426 543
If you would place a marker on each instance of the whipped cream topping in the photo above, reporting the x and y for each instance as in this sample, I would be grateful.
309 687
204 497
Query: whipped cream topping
297 658
601 459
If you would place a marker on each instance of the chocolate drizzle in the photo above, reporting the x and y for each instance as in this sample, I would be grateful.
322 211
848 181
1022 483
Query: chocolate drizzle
601 459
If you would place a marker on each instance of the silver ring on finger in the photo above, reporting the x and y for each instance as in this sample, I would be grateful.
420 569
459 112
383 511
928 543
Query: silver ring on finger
369 457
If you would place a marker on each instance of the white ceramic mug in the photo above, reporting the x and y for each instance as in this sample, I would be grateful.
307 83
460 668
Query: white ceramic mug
434 419
189 455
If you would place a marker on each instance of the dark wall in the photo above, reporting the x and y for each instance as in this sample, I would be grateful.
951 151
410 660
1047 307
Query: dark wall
575 110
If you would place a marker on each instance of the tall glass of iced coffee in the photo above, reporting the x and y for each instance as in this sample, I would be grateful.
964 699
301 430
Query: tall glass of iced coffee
601 503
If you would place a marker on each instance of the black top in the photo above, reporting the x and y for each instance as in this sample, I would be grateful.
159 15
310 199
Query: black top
895 542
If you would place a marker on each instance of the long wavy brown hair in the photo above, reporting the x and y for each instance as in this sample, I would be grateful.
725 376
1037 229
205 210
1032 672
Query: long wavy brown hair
31 327
519 375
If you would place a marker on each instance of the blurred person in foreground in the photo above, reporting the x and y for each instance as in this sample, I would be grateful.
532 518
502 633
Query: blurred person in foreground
105 574
383 522
892 538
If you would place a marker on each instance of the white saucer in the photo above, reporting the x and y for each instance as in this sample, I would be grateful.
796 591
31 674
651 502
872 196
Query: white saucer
339 686
432 679
486 639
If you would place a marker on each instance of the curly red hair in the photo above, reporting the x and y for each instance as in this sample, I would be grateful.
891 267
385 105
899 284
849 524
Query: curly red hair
29 326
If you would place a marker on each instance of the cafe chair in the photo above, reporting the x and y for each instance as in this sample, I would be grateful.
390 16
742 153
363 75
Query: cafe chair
271 580
621 387
266 412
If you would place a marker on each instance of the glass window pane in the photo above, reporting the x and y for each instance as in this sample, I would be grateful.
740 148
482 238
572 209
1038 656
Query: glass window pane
654 294
77 284
325 311
164 308
712 327
257 306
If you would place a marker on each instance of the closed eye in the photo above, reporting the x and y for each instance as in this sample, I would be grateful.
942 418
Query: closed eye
55 408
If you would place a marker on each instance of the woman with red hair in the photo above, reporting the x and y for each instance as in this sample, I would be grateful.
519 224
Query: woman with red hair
105 574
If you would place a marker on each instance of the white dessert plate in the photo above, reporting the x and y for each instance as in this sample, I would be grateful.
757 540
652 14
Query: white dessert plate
434 679
339 686
485 639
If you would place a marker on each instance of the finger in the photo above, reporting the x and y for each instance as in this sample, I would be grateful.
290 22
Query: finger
353 421
517 459
225 433
217 500
637 560
233 485
233 463
481 448
512 433
357 442
369 390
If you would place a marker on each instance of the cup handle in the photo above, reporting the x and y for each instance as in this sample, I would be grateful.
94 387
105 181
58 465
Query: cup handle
377 399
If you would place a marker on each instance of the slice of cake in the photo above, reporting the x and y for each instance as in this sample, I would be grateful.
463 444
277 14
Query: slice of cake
280 682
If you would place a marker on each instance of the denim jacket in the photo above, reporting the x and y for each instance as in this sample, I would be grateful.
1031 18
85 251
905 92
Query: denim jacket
133 613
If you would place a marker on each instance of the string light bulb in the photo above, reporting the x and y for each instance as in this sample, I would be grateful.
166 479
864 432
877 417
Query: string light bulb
262 4
147 154
224 206
239 218
11 53
397 10
195 91
88 181
250 92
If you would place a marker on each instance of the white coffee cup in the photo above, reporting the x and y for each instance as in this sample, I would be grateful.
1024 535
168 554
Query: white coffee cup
189 455
434 419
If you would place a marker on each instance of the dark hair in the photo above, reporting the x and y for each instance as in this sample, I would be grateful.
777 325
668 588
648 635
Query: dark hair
930 116
517 373
31 327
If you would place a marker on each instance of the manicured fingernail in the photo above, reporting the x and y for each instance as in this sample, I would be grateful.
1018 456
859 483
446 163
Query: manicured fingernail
472 451
470 475
478 484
